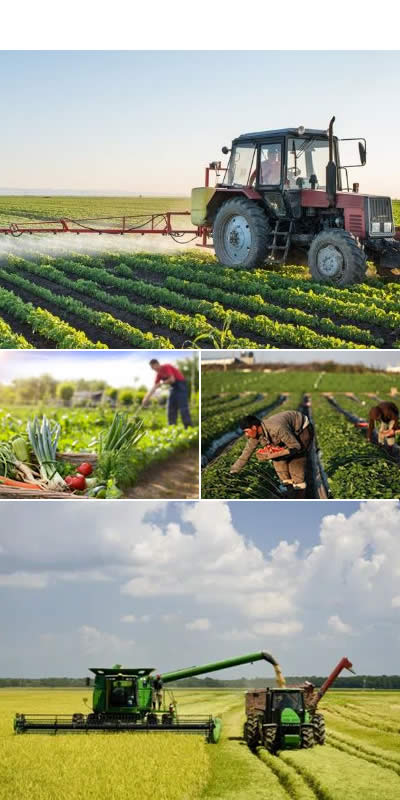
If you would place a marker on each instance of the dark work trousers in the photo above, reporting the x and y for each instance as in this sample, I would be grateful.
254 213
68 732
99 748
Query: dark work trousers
178 401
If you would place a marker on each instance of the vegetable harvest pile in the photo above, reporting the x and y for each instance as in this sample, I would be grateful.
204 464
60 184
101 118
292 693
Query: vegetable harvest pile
31 462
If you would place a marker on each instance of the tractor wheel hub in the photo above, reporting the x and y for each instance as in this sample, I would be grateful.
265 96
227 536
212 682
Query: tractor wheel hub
330 261
237 237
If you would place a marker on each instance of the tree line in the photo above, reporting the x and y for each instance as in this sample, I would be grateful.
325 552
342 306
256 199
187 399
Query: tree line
351 682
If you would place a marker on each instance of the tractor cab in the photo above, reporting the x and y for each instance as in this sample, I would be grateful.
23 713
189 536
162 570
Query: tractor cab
291 159
123 691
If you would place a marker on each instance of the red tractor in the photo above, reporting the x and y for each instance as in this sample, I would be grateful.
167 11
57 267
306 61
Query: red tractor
285 194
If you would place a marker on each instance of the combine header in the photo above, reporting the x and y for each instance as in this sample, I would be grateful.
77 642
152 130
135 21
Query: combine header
126 699
283 196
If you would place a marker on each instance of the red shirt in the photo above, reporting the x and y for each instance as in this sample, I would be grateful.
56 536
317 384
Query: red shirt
168 371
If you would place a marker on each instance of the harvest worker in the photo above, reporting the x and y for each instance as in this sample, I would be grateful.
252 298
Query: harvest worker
178 397
290 429
388 415
157 693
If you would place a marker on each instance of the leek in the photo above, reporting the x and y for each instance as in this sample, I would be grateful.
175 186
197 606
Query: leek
43 438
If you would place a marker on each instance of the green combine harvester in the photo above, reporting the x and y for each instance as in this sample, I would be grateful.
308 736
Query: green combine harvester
126 699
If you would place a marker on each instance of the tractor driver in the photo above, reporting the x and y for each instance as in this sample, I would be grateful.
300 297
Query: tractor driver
270 167
290 429
157 693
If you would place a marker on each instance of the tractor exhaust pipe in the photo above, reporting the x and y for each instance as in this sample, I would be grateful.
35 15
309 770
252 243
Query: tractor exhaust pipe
331 171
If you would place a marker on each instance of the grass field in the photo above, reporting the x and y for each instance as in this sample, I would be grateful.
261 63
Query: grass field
361 758
355 468
171 299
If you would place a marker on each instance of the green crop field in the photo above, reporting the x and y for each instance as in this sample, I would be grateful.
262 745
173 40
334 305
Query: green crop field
354 468
172 300
360 760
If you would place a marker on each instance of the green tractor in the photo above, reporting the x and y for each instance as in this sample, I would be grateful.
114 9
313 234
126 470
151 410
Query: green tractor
134 700
286 718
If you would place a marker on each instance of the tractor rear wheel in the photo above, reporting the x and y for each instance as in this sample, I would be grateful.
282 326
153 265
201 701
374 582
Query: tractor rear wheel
252 732
336 257
241 234
307 737
319 728
269 738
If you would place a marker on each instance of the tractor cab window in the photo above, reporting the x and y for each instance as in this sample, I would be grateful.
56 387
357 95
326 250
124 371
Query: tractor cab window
307 160
122 694
270 164
282 700
242 165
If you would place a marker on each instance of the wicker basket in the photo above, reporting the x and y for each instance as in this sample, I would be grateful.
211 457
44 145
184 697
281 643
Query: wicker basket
13 492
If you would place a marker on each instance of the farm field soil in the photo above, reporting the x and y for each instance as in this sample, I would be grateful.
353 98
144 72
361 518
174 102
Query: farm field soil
183 299
361 758
177 477
354 468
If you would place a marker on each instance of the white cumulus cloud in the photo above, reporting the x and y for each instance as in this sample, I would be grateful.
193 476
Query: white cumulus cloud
201 624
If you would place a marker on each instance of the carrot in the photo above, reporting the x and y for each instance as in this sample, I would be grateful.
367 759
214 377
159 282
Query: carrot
19 484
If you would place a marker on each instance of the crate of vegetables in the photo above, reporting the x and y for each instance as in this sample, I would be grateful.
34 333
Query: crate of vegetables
270 451
32 468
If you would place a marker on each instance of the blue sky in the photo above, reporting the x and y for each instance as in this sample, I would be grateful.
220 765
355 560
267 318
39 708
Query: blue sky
149 121
173 584
118 368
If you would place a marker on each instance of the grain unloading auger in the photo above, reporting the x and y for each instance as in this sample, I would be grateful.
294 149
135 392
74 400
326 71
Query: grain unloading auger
125 700
283 196
286 719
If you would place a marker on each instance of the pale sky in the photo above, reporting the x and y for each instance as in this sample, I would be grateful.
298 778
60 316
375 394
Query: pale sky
168 585
118 367
380 359
149 121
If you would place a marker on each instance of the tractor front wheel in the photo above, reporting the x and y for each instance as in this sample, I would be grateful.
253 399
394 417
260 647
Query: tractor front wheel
241 234
336 257
269 738
319 728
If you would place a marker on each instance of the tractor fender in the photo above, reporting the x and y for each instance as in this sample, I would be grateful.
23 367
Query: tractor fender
220 196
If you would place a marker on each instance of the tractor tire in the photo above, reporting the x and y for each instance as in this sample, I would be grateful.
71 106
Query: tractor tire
252 732
319 728
241 234
307 737
269 738
335 257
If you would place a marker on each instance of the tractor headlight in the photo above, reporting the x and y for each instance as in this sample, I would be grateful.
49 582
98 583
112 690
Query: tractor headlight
387 227
375 227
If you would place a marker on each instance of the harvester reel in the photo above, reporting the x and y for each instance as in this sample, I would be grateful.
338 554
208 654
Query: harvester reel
319 728
307 737
336 257
241 234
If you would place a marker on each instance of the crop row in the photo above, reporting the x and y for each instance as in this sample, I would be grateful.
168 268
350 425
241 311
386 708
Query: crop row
183 290
41 321
10 340
228 420
228 404
271 331
308 295
355 750
100 319
355 468
194 326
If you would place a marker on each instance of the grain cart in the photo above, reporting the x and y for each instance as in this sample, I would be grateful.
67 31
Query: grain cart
287 719
286 194
123 701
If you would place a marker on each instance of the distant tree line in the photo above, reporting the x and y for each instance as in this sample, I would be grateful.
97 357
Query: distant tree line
45 390
353 682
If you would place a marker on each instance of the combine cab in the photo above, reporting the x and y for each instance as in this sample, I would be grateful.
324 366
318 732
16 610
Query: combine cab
285 196
287 718
132 700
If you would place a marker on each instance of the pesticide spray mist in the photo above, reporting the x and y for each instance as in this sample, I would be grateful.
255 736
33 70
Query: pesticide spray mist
65 244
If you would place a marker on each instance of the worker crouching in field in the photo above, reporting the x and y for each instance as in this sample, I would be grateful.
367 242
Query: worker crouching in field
290 429
388 416
178 399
